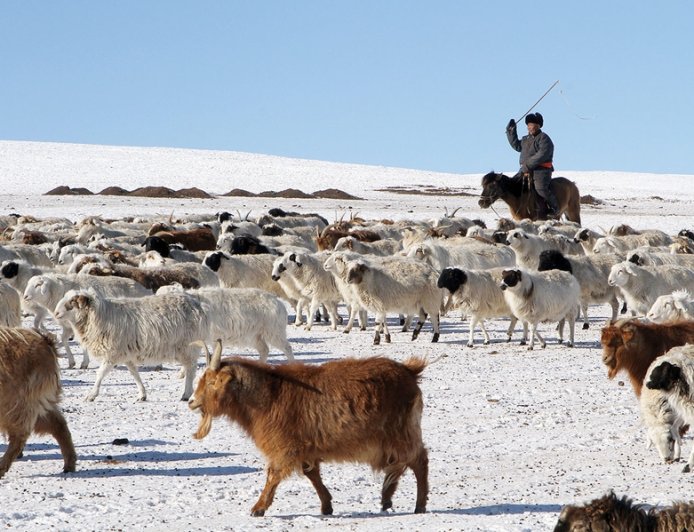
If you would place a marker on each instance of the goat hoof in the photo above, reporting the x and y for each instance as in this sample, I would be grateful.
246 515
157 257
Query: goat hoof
377 341
470 344
387 338
420 509
327 510
686 469
386 505
257 513
346 331
585 326
530 348
435 338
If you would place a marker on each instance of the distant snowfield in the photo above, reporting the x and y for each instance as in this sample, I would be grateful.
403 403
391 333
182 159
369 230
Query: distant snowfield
512 434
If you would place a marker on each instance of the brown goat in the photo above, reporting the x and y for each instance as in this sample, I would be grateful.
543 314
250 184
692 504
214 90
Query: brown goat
199 239
631 345
151 278
612 513
358 410
327 239
30 393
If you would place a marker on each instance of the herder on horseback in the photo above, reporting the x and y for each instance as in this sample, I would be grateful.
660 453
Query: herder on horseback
536 153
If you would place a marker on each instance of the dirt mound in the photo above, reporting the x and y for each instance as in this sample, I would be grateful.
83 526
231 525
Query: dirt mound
114 191
193 192
240 193
67 191
424 190
154 192
334 193
286 193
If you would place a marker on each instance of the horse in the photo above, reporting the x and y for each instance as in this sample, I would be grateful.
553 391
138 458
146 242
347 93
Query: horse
522 201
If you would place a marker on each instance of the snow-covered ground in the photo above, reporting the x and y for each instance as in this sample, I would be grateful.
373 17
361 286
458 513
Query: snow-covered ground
512 434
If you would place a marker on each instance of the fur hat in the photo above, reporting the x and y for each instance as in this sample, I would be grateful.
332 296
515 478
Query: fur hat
535 118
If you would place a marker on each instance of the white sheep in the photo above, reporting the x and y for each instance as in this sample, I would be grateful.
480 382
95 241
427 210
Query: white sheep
246 271
10 308
536 297
34 255
47 289
641 286
336 264
679 305
471 254
316 285
478 294
587 239
133 331
646 257
527 248
68 253
673 375
243 317
591 272
623 244
383 248
661 421
17 273
397 285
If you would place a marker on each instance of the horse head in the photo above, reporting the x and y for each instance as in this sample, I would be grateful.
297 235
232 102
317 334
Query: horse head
491 189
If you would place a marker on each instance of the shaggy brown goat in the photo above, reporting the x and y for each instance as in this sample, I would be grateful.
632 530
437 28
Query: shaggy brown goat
151 278
352 410
631 345
30 393
611 513
200 239
327 239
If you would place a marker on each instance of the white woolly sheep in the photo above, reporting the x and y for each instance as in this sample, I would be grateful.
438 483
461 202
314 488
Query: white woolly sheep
679 305
538 297
473 255
661 421
132 331
397 285
641 286
477 292
47 289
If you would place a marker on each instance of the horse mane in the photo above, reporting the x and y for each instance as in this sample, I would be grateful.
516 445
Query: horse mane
514 186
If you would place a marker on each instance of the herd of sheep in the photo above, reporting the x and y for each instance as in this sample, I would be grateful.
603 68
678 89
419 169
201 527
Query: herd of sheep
145 292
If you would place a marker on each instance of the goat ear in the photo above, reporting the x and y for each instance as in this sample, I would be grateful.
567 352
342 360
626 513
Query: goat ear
627 331
81 301
216 360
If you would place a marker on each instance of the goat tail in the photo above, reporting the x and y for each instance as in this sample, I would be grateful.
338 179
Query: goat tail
416 365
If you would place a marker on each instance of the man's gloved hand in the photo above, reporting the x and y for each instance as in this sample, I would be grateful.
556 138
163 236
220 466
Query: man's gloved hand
511 124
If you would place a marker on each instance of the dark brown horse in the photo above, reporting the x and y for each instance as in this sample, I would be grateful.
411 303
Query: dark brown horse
522 201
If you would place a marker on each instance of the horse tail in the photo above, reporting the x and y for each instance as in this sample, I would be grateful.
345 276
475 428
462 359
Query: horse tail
573 211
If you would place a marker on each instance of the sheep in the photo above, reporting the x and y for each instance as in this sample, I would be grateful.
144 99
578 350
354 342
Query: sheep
644 257
92 225
17 273
633 345
188 274
473 255
679 305
246 317
315 285
10 308
336 264
527 248
299 415
166 250
641 286
613 513
384 247
673 373
243 244
47 289
246 271
477 291
134 331
591 272
68 253
34 255
623 244
587 239
83 259
663 424
543 296
404 285
29 393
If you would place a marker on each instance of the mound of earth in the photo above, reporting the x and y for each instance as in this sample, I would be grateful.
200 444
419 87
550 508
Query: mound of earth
334 193
114 191
286 193
240 193
67 191
154 192
193 192
426 191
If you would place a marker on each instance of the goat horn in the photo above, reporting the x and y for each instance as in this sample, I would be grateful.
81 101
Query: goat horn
216 360
454 211
208 355
247 215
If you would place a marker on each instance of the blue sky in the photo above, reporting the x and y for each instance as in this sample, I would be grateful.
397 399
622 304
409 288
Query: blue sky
427 85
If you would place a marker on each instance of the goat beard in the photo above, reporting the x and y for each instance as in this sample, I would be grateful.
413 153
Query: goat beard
204 427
